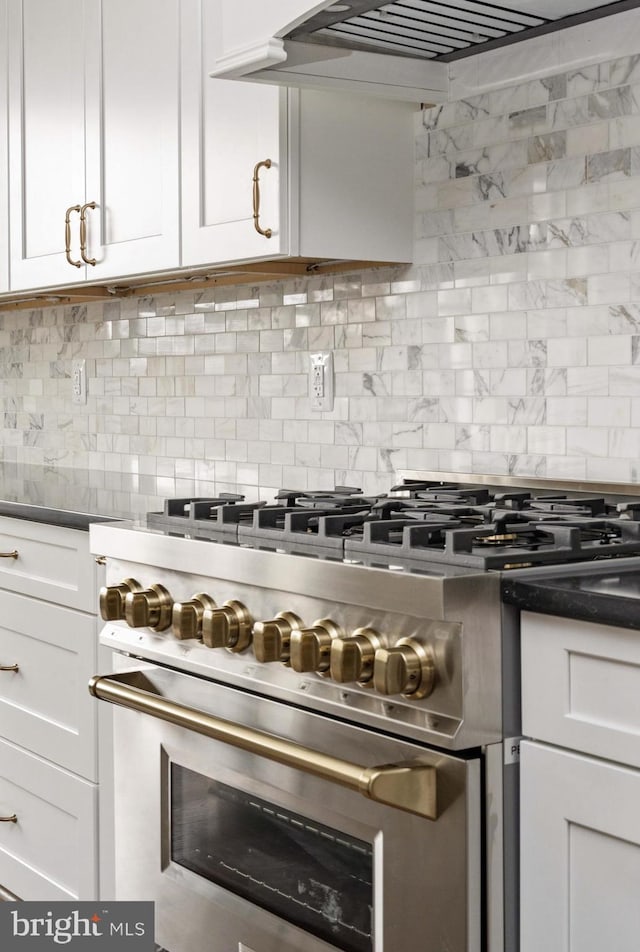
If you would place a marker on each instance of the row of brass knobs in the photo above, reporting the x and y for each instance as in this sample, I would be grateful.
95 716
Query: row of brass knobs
406 668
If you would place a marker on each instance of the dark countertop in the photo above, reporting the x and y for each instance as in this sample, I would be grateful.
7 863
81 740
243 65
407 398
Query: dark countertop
606 592
75 498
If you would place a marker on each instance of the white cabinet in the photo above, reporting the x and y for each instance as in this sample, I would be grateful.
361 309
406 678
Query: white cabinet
580 846
340 181
93 118
126 159
50 851
49 734
580 786
4 180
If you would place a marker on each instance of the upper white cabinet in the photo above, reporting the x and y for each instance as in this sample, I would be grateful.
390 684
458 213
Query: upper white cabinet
93 139
4 183
321 174
126 159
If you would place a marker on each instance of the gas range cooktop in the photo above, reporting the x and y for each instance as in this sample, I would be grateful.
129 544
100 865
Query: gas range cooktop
419 523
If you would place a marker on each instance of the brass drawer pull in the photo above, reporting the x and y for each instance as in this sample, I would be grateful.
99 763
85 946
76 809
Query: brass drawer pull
410 786
67 235
9 819
9 555
266 164
83 233
9 667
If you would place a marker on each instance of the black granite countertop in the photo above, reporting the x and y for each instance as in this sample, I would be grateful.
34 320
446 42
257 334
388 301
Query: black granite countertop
76 497
607 592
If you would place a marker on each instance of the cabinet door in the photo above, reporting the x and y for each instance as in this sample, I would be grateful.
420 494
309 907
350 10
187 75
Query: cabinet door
50 851
45 705
4 181
132 137
580 859
227 129
46 138
93 119
51 563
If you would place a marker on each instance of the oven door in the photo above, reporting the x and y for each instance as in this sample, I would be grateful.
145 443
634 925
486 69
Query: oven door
258 827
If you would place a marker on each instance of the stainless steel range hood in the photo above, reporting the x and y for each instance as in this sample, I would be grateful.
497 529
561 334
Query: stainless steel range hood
400 49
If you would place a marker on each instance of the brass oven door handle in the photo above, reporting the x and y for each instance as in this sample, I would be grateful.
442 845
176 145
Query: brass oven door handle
410 786
265 164
7 896
83 232
67 235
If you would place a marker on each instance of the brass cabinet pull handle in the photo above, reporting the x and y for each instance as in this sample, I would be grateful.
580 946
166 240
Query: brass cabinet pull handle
9 555
67 235
410 786
83 232
9 819
266 164
9 667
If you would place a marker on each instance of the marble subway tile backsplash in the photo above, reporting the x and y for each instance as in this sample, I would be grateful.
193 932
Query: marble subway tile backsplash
510 345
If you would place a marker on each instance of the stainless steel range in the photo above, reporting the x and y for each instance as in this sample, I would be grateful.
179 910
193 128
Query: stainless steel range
316 710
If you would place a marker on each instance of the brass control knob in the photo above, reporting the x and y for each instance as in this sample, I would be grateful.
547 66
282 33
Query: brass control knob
227 627
112 599
186 617
352 658
149 608
272 639
408 669
311 647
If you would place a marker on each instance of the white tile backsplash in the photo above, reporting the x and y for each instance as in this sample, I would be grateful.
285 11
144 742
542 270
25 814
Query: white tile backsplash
511 345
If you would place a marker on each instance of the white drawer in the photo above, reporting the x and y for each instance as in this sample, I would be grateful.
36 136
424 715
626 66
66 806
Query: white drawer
50 852
45 705
581 686
52 563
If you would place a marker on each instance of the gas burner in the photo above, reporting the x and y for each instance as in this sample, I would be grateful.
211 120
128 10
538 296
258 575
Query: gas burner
498 545
505 538
543 542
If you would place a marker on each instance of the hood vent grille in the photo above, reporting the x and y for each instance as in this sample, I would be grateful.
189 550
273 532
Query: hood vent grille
445 30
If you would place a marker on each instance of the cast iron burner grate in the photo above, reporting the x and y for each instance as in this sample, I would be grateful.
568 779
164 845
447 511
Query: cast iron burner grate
417 522
498 545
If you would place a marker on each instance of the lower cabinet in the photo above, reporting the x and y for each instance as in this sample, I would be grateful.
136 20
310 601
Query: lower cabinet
580 786
48 833
580 844
49 732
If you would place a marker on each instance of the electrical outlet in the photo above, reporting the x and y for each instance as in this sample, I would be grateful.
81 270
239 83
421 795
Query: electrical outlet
79 381
321 381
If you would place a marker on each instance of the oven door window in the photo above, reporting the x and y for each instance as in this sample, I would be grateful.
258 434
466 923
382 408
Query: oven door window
315 877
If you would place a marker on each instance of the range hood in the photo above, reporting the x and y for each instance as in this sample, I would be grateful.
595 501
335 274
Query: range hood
400 49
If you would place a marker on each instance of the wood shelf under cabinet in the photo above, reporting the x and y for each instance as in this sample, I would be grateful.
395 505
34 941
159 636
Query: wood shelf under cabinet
188 280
